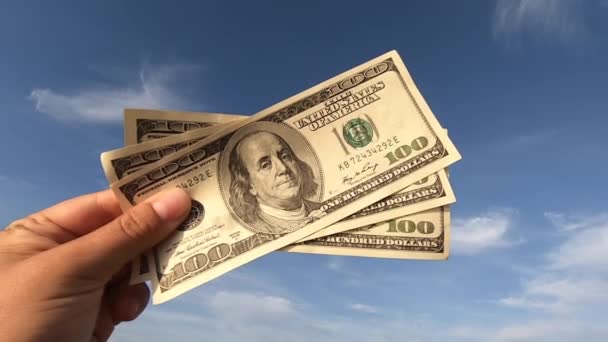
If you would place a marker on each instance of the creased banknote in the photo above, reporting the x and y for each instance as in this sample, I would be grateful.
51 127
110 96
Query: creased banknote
423 235
291 170
142 125
430 192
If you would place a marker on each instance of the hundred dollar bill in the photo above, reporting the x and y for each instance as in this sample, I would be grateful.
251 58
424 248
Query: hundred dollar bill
117 165
424 235
430 192
146 125
291 170
142 125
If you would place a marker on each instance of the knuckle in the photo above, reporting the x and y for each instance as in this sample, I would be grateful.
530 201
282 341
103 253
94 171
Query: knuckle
24 222
28 224
138 222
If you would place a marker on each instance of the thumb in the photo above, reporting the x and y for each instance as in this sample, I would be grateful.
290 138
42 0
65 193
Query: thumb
103 252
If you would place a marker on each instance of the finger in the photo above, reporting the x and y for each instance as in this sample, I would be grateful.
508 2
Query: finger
103 252
85 213
73 218
121 276
104 325
128 301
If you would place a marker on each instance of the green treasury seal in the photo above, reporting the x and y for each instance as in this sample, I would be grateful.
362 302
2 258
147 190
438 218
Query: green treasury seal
197 213
357 133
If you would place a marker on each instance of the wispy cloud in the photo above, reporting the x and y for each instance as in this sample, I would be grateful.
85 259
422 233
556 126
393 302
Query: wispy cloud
241 305
257 315
557 298
336 264
586 248
574 278
473 235
560 294
155 88
566 222
537 330
559 20
533 138
298 326
349 275
365 308
542 330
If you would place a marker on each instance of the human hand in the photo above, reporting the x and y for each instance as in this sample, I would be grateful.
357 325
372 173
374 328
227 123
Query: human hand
63 269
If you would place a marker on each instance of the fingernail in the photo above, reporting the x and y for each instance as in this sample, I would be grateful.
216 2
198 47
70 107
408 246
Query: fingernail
171 204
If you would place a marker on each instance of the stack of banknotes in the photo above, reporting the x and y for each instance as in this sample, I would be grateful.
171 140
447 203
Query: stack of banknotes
356 165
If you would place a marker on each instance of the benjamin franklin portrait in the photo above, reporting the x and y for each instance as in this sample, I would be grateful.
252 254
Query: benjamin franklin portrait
269 184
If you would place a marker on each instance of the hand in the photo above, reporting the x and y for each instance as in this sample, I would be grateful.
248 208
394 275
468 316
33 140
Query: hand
63 272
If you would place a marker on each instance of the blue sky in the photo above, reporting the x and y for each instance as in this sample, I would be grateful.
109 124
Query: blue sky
521 86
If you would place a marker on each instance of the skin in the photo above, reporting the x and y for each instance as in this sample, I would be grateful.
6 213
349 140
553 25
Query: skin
274 174
63 269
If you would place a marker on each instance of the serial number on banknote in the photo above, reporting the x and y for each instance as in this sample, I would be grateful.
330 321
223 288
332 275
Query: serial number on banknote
196 179
359 157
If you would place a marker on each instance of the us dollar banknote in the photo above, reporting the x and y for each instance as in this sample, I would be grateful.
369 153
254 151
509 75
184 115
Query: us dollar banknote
424 235
291 170
130 159
119 163
430 192
142 125
147 125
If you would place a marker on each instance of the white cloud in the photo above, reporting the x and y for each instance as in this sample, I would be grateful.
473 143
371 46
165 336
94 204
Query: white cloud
154 89
574 279
250 306
257 282
363 308
540 330
299 326
573 222
555 19
477 234
532 330
350 275
559 294
261 315
336 264
586 249
562 304
532 138
264 317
